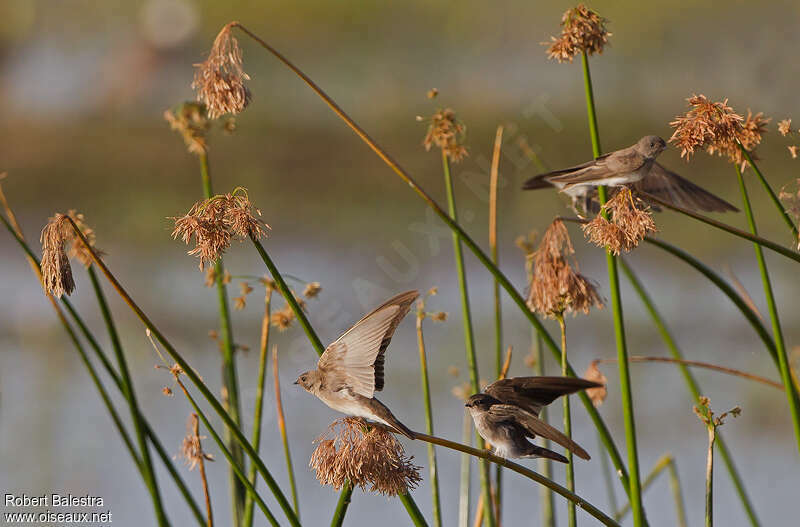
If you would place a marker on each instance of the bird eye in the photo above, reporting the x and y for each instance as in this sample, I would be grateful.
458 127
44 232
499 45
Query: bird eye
652 144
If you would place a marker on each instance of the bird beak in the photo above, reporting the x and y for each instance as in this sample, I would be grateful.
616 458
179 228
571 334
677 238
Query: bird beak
467 405
296 382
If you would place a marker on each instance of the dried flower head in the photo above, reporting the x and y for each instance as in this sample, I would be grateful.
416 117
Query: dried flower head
245 288
462 391
453 370
438 316
597 395
166 390
791 197
239 302
192 447
215 221
219 80
282 318
367 455
56 271
628 225
581 30
753 128
555 287
706 415
190 120
432 93
785 127
793 151
312 289
77 249
447 133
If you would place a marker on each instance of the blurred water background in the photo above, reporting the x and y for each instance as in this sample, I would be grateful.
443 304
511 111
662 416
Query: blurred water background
82 89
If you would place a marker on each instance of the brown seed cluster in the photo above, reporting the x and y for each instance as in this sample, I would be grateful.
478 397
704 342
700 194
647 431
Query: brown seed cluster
366 455
219 80
597 395
785 128
703 411
283 318
214 222
557 288
581 30
190 120
56 236
192 447
628 224
715 127
447 133
791 197
312 290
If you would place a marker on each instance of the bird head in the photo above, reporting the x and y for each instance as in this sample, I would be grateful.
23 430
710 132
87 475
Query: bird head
308 381
650 146
480 401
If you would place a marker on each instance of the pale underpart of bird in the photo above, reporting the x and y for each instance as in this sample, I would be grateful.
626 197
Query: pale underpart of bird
580 182
350 370
506 414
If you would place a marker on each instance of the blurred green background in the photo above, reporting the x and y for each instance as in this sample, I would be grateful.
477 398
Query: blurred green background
83 86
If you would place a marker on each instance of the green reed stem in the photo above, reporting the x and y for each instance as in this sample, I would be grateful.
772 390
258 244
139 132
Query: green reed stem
774 197
546 499
469 336
229 457
519 469
465 479
619 328
665 462
570 468
255 440
677 495
780 249
608 477
413 511
426 398
130 395
229 377
693 388
777 333
165 458
345 496
710 478
506 284
194 377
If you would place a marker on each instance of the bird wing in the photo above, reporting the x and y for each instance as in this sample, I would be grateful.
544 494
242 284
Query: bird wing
356 358
543 180
536 427
671 187
532 393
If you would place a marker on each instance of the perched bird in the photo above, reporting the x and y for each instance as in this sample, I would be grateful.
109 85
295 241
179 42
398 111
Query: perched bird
634 167
507 412
351 369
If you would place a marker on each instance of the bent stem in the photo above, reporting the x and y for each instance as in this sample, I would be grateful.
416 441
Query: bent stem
665 462
530 474
230 382
201 463
426 398
694 390
635 491
570 468
505 283
777 333
774 197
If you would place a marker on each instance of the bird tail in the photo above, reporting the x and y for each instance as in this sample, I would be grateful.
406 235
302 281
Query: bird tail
387 417
537 182
537 451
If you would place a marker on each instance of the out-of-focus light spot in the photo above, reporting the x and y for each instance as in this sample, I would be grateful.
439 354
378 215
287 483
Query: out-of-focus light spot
168 23
16 18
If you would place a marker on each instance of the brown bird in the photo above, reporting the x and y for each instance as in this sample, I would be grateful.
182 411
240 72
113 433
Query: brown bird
351 369
507 413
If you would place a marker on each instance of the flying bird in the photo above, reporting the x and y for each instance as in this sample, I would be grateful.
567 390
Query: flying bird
351 370
507 413
636 168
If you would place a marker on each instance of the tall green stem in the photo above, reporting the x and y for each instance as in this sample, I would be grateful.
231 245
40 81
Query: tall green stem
130 395
413 511
777 333
345 496
282 425
666 462
426 398
546 498
465 479
571 516
692 386
710 478
619 328
469 337
229 376
770 192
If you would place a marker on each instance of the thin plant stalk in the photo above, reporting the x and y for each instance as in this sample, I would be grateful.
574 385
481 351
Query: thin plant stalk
530 474
255 440
777 333
282 426
506 284
570 468
426 398
710 478
677 494
763 242
608 477
664 463
16 232
229 456
498 314
770 192
465 479
413 511
201 463
469 336
194 377
345 496
130 395
635 491
546 498
230 381
694 390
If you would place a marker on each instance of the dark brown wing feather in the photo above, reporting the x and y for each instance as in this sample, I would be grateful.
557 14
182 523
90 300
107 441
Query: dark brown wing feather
542 180
532 393
536 427
675 189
